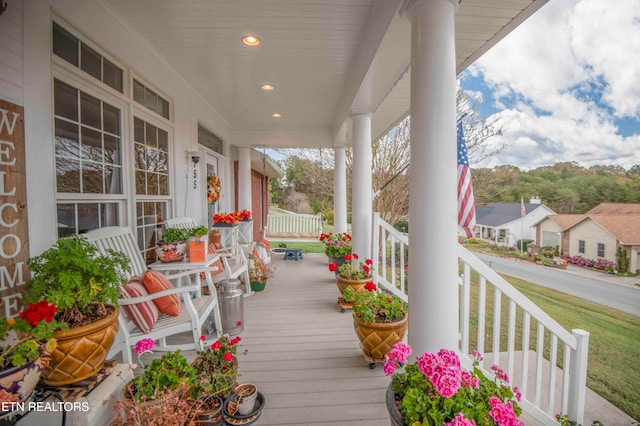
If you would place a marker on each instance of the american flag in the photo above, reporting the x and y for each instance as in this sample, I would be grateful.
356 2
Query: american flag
466 204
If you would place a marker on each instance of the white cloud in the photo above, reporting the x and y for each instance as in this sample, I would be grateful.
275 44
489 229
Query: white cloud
562 78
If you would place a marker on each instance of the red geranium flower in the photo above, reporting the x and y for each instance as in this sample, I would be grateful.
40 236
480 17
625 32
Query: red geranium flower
333 266
370 286
348 257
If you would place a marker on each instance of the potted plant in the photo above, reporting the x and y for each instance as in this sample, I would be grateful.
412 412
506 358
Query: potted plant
243 215
259 273
336 246
198 244
165 393
350 275
435 390
173 245
219 364
225 219
84 286
379 320
25 346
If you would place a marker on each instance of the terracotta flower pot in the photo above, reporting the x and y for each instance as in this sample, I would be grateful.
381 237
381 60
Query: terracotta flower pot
377 339
80 352
356 285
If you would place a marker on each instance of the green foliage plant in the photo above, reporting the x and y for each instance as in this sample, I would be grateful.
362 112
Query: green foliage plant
375 306
168 373
623 260
79 280
172 235
199 231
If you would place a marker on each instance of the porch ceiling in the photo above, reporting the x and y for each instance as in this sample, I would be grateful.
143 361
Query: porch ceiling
326 59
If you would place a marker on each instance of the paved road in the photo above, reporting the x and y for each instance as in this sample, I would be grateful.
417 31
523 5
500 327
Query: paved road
616 292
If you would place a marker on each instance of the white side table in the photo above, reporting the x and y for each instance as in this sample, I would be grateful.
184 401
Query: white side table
185 265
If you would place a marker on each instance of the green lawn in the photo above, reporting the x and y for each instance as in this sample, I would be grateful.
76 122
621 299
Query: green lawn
614 344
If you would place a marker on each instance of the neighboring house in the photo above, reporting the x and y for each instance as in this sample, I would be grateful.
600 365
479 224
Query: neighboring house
599 236
596 234
503 223
548 231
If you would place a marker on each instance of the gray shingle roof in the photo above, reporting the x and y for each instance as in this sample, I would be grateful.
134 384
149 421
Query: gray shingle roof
497 214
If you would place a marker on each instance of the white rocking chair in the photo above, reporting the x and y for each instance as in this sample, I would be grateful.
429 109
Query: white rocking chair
194 312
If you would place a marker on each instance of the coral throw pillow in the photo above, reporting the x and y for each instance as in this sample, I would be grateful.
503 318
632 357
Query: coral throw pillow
212 250
144 315
155 282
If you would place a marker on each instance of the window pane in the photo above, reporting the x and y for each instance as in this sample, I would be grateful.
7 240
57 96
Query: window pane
152 184
140 156
151 136
66 100
112 180
109 214
90 62
163 167
150 100
67 142
91 145
163 188
163 140
111 75
66 220
111 119
88 218
141 183
138 130
65 45
164 108
138 92
90 111
92 178
111 149
67 175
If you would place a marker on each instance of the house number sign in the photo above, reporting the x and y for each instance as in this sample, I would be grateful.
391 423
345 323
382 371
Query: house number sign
14 231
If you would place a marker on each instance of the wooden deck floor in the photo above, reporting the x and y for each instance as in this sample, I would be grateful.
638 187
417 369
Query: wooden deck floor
303 352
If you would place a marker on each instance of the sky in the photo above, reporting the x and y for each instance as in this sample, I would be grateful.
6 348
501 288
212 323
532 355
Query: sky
566 86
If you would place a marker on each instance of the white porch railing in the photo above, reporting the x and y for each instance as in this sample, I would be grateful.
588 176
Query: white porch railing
519 354
293 226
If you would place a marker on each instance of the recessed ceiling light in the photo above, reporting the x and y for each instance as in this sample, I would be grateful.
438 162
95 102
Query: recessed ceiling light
267 87
250 40
276 115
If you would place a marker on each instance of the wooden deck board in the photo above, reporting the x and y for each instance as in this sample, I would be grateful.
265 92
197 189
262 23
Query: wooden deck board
303 352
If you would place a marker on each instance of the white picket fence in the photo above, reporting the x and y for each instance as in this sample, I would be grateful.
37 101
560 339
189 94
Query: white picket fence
293 226
522 353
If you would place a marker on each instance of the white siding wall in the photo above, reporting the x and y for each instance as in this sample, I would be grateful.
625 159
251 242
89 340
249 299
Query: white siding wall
11 53
31 86
592 234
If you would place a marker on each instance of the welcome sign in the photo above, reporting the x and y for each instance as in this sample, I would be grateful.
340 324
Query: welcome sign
14 230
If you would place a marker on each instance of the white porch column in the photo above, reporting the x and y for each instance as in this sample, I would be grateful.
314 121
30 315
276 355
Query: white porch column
244 178
361 197
339 191
433 258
